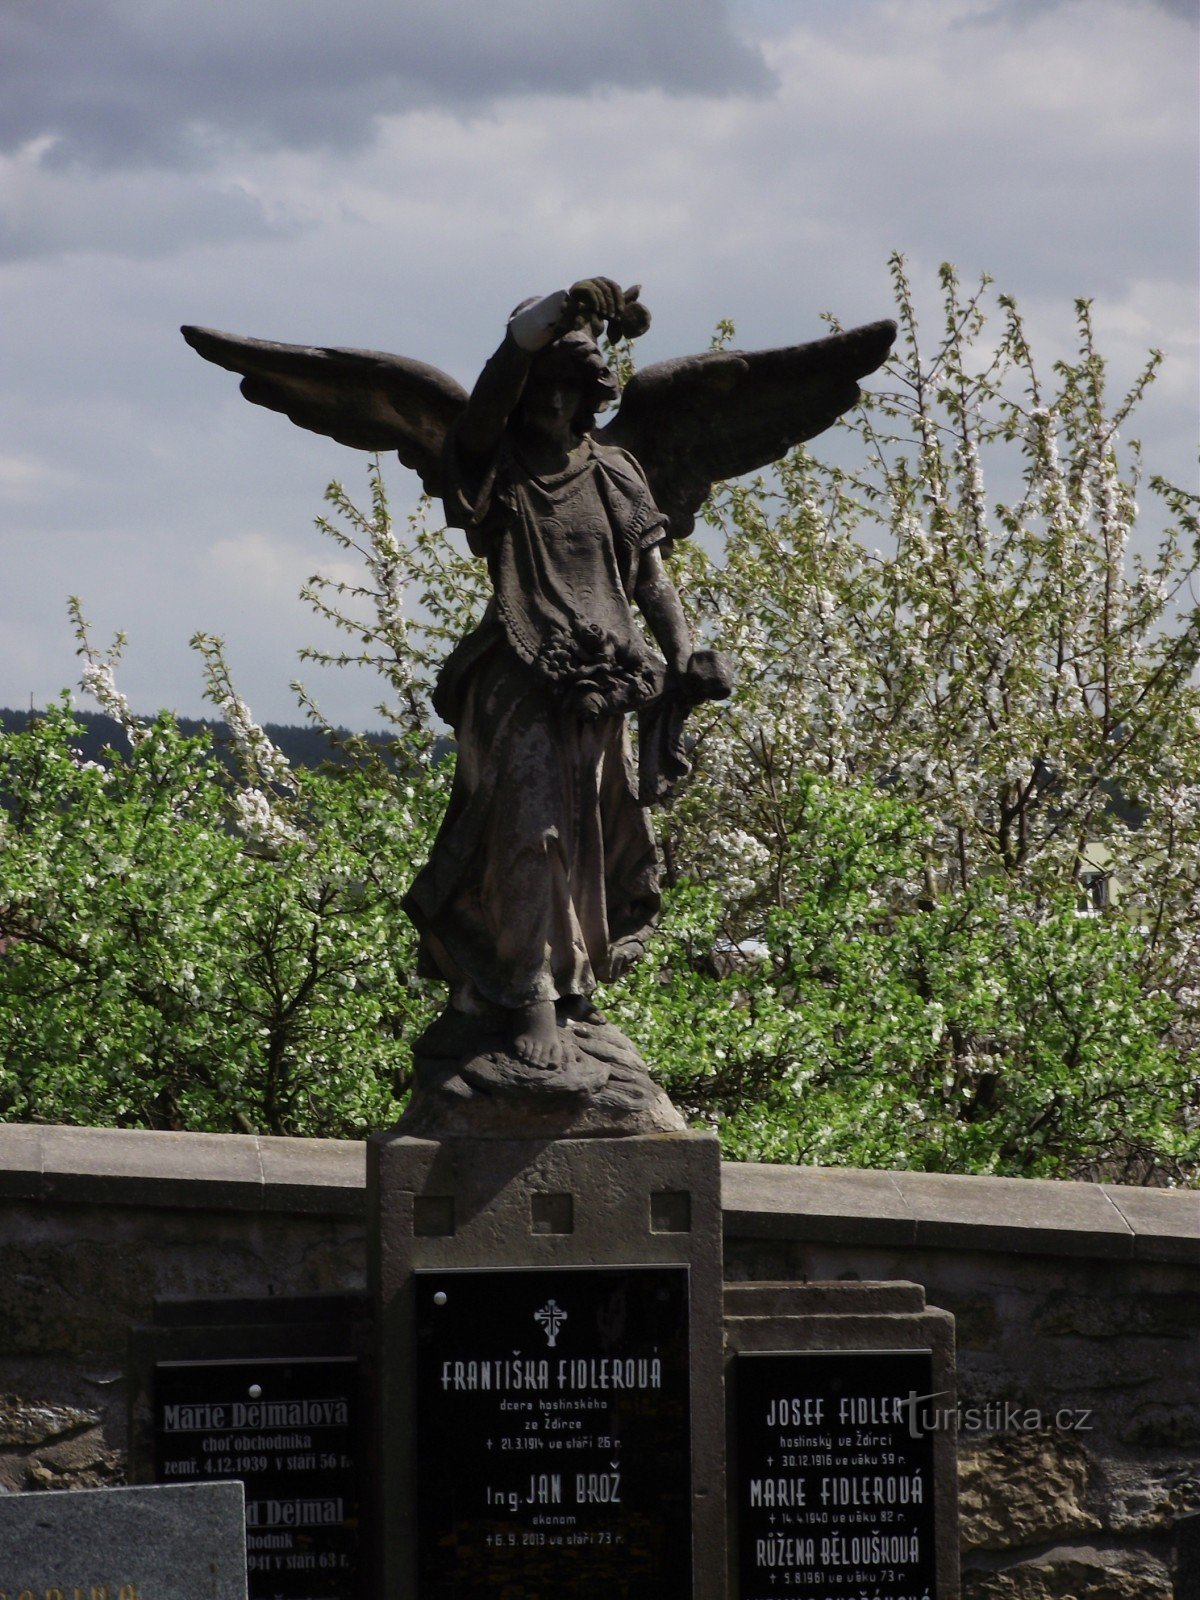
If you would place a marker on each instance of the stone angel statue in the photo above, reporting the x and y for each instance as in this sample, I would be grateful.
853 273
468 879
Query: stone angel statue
543 879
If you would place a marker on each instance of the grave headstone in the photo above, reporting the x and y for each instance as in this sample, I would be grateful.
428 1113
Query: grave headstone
182 1542
552 1429
550 1366
842 1434
272 1393
287 1430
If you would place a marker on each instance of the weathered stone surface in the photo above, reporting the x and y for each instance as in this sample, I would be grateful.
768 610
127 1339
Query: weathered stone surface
1016 1214
847 1296
1110 1375
978 1324
1140 1498
54 1447
78 1277
1120 1316
92 1162
20 1161
1081 1573
32 1424
801 1203
1022 1489
1163 1424
81 1463
468 1087
114 1283
313 1174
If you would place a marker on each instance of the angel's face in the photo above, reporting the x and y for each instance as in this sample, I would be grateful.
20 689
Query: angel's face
551 401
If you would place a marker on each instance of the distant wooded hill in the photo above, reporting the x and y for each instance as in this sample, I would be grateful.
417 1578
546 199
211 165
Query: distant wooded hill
303 746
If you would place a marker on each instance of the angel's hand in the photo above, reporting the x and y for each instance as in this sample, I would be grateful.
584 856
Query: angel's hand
592 302
597 301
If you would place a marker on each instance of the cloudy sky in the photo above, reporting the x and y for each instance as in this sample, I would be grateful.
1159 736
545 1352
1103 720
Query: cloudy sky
396 174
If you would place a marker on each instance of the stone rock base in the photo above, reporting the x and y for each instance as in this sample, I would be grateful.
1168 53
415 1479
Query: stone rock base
469 1085
1022 1490
48 1446
1080 1573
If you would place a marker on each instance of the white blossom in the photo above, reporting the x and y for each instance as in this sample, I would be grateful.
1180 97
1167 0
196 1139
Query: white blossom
98 680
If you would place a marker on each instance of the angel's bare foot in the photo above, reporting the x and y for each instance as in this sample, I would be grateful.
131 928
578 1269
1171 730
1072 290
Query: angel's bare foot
578 1008
535 1037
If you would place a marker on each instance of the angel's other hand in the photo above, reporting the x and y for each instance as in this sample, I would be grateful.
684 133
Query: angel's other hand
633 320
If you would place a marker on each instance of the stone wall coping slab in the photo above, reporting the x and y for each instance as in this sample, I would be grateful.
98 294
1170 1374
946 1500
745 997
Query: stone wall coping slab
190 1171
834 1205
838 1205
20 1161
1165 1222
313 1174
1019 1214
1028 1216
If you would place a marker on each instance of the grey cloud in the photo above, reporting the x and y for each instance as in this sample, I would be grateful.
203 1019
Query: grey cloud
1185 10
1008 10
136 216
124 82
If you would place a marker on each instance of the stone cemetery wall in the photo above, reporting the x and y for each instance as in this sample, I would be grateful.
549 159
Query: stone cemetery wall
1077 1307
1077 1312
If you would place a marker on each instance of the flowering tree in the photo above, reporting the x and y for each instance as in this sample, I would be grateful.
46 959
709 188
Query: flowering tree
882 942
1002 691
191 948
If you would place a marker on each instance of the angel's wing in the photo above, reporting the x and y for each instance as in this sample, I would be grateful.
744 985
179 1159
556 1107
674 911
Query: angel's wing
696 420
362 398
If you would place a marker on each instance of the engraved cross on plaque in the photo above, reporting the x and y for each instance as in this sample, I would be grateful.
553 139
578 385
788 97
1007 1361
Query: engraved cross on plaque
551 1317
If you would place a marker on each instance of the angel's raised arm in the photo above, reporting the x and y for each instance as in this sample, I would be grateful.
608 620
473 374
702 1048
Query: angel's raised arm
494 398
532 326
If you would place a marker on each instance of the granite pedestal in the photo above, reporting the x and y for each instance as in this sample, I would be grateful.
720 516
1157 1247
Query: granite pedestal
549 1366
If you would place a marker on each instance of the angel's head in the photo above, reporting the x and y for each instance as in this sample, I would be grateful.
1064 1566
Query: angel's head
568 383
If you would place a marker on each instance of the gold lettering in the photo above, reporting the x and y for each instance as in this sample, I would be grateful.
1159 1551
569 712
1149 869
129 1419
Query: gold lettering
100 1592
54 1594
128 1592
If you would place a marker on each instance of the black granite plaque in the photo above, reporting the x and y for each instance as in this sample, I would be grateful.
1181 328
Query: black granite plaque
288 1430
834 1475
553 1450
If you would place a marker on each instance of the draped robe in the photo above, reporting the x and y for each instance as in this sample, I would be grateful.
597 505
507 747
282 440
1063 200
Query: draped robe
545 862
